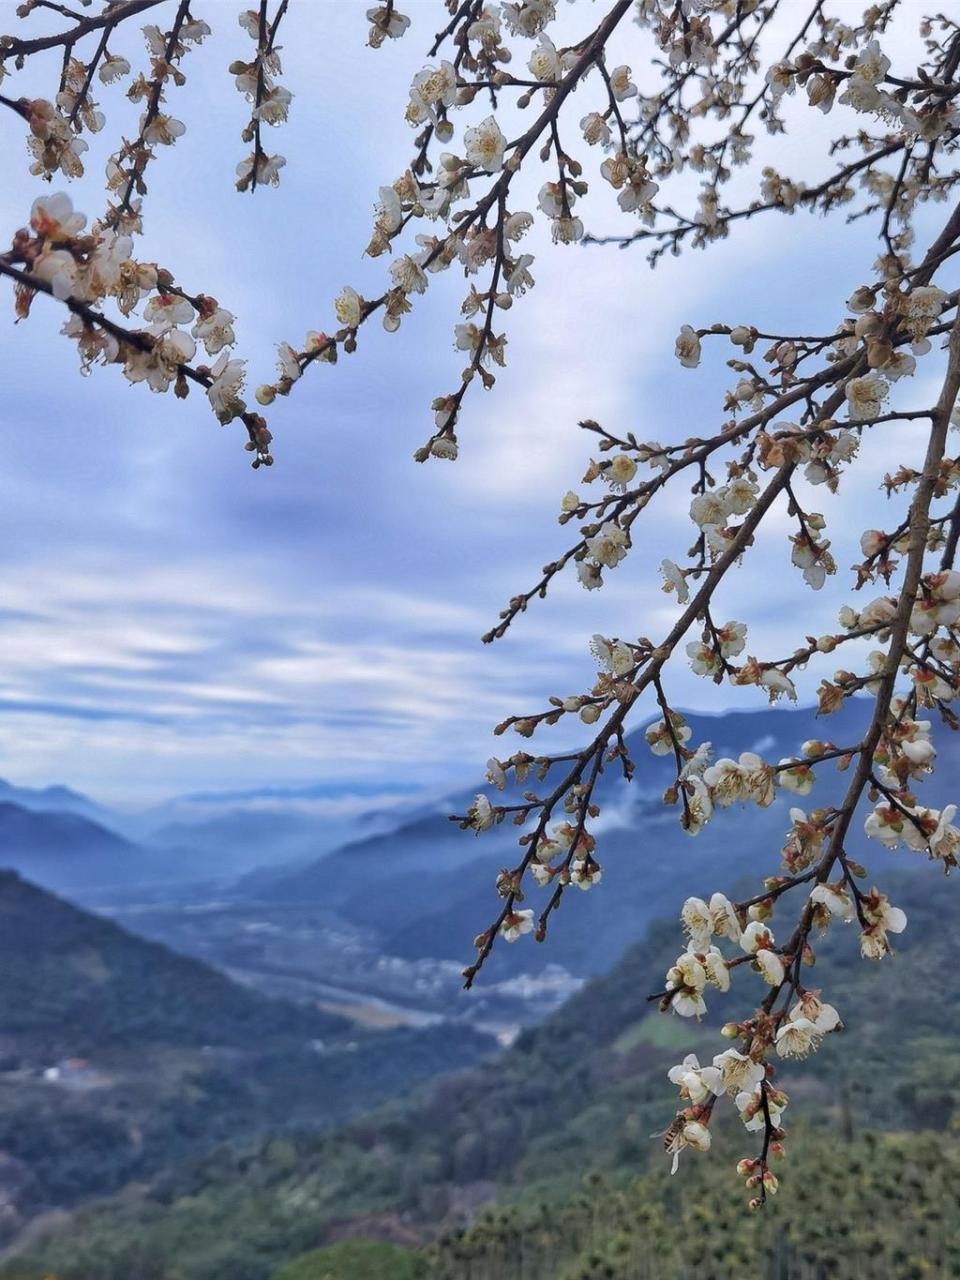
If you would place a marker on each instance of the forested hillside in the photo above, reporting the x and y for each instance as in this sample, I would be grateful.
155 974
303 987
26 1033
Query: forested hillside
582 1094
119 1057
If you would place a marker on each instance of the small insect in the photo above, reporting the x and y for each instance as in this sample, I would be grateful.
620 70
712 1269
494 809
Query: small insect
673 1138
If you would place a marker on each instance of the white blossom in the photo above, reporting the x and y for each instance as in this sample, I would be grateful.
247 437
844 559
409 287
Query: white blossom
688 347
484 145
516 924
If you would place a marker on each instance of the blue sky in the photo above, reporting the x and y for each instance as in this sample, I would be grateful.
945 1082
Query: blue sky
173 621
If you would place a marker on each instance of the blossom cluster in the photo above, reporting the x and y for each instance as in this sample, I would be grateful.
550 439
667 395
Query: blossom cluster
256 79
84 269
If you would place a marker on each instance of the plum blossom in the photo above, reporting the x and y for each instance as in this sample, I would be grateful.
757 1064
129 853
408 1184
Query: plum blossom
797 1037
612 655
698 809
696 1083
757 940
738 1072
622 84
519 279
224 390
861 90
481 814
54 217
693 1134
516 924
595 129
620 472
865 396
686 981
824 1017
797 777
688 347
804 842
528 17
484 145
750 1105
702 920
747 778
835 900
585 874
882 918
674 579
432 88
385 23
659 737
545 62
608 545
112 68
920 308
589 575
215 330
348 307
716 969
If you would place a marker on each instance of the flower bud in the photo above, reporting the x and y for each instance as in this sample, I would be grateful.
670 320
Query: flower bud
862 299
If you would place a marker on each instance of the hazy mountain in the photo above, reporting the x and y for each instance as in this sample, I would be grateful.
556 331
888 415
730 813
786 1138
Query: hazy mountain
276 825
427 887
62 849
76 855
59 798
198 837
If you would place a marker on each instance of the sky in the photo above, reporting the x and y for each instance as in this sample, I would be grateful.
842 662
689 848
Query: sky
172 621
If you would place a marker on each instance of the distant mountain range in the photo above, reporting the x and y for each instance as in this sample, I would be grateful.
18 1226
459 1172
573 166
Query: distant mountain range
56 798
427 888
70 852
68 842
423 887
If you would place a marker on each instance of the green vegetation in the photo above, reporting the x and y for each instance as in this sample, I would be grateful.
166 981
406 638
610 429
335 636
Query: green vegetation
582 1095
355 1260
881 1207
